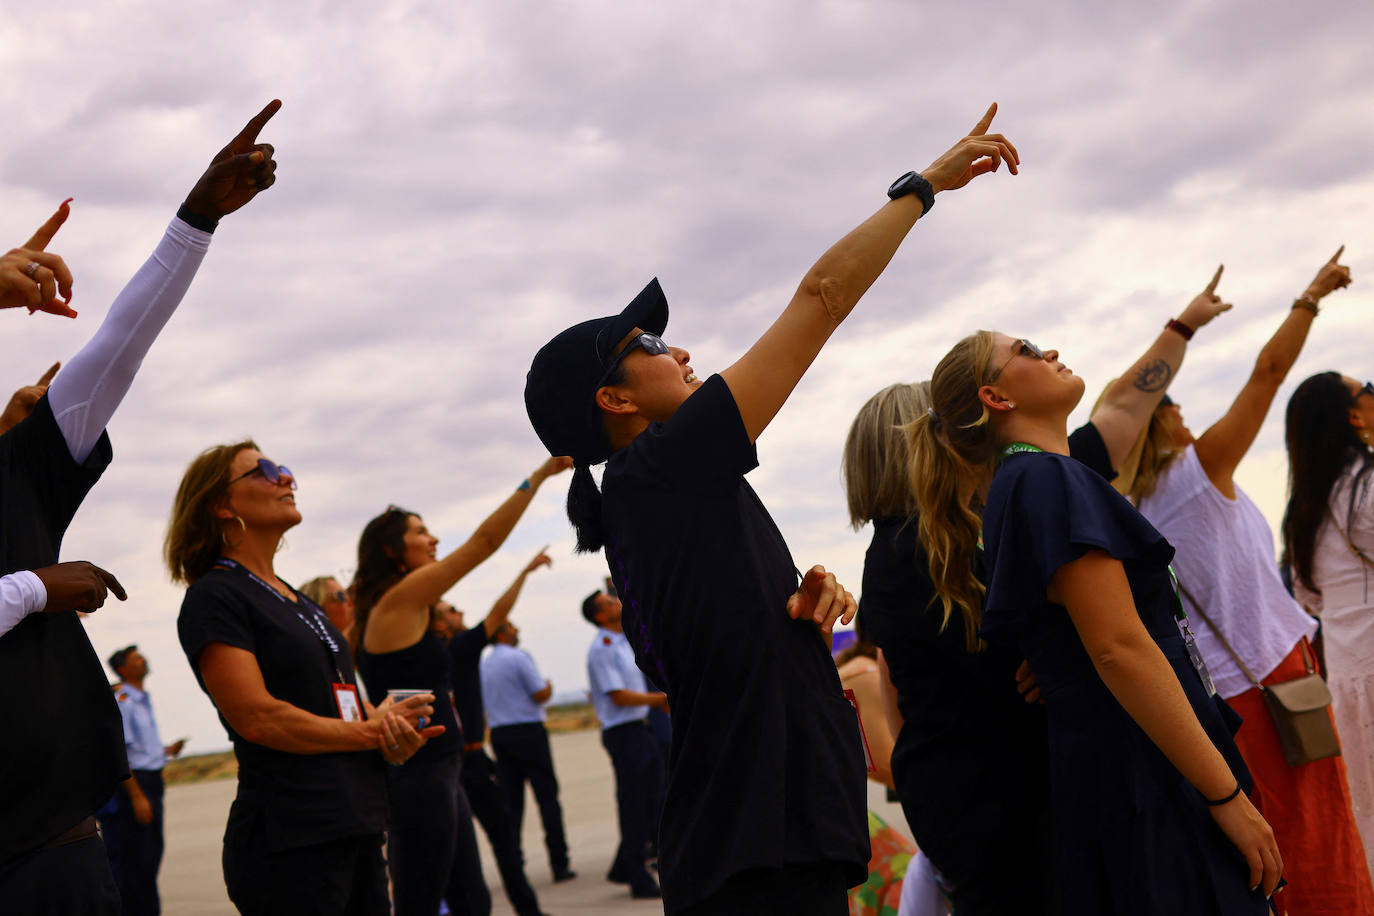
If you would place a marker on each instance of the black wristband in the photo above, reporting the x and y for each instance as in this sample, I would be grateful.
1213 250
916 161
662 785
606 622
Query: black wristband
913 183
1222 801
195 220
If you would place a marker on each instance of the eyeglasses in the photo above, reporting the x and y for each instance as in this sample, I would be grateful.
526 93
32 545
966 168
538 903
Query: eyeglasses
270 471
1018 348
339 596
649 343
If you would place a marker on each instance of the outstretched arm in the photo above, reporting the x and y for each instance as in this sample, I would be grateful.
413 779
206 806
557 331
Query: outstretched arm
1222 447
422 587
500 611
84 397
763 378
1130 401
1098 597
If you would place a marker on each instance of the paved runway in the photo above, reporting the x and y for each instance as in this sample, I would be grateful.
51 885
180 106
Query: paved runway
193 885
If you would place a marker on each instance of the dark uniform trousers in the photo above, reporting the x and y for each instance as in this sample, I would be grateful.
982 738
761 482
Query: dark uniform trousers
135 849
522 753
59 879
491 809
638 774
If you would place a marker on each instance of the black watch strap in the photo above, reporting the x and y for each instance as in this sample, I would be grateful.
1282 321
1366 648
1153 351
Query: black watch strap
913 183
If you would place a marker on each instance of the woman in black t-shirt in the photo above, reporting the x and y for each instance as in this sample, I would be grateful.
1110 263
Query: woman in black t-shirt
765 807
432 850
305 829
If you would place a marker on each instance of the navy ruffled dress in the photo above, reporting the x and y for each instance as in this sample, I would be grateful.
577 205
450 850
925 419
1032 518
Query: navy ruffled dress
1132 835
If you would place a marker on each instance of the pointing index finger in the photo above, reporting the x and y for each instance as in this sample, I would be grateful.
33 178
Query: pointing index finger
1216 278
982 126
46 378
112 584
40 239
249 134
1337 256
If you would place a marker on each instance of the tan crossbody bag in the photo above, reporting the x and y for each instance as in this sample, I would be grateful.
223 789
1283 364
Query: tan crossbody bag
1300 708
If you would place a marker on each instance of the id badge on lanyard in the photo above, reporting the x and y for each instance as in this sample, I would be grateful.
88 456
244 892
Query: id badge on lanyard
346 697
863 736
1190 641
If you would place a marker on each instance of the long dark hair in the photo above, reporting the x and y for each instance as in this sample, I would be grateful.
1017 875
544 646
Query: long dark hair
380 549
1321 443
584 499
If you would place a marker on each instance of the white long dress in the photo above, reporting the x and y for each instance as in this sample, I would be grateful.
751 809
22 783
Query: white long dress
1346 608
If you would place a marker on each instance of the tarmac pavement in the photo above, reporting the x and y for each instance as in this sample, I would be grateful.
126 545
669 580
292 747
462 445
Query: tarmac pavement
192 883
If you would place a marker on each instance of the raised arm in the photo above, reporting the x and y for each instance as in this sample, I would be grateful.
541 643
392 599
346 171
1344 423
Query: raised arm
1098 597
1129 402
35 278
1225 443
84 397
763 378
422 587
500 611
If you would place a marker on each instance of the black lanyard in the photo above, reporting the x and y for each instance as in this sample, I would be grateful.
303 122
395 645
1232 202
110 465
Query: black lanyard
313 622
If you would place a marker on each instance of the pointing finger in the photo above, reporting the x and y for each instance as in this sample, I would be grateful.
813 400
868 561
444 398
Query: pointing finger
1337 256
249 134
46 378
112 583
43 236
1216 278
982 126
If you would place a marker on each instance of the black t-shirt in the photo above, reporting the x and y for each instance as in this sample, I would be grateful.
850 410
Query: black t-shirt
464 655
302 799
766 767
63 751
420 666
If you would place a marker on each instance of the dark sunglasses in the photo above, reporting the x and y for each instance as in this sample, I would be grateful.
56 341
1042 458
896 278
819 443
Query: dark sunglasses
1019 348
271 472
340 595
1367 389
649 343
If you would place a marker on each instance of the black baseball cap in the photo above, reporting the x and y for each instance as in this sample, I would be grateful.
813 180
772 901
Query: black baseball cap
119 657
560 387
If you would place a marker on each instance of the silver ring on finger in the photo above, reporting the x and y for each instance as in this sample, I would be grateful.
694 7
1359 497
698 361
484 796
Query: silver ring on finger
31 268
394 747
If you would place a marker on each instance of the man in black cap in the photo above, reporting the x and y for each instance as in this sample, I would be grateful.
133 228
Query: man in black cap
765 810
131 824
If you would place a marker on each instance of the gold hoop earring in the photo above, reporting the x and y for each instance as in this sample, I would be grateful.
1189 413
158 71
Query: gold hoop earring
242 526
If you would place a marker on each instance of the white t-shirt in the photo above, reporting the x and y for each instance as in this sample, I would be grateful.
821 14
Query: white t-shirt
1225 558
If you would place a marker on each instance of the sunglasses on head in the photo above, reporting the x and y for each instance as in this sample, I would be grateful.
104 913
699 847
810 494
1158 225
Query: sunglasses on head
649 343
270 471
1019 348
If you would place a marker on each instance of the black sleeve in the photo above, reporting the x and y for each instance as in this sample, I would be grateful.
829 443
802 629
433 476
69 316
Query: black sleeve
214 612
704 441
466 648
1086 446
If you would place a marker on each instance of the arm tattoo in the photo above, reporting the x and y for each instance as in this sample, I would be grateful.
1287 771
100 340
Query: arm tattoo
1154 377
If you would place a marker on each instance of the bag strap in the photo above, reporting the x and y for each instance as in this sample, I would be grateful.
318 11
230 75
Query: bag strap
1203 614
1345 537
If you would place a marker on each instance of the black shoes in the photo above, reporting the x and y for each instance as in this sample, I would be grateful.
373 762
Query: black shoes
566 874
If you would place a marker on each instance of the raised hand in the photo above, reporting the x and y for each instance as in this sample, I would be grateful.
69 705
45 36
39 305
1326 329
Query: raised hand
25 399
977 154
540 559
238 172
77 586
821 598
32 277
556 464
1206 305
1332 276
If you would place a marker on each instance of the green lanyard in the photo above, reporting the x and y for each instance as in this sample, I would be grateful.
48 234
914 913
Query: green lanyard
1016 448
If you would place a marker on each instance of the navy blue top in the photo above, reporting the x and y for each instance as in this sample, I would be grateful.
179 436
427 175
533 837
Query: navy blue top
766 768
1132 835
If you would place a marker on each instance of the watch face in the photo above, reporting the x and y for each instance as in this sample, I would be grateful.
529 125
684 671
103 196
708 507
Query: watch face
903 180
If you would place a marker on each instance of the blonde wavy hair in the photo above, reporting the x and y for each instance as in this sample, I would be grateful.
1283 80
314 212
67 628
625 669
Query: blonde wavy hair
876 456
195 538
952 451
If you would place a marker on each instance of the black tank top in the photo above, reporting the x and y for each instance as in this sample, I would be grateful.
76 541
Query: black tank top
422 666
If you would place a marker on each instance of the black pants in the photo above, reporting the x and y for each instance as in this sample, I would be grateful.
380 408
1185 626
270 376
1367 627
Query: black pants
799 890
634 757
433 847
340 878
489 806
522 753
59 881
135 849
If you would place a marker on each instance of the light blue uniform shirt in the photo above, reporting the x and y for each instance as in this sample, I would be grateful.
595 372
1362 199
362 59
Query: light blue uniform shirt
611 666
509 677
141 740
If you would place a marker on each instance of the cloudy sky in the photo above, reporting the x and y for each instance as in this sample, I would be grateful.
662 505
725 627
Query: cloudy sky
458 181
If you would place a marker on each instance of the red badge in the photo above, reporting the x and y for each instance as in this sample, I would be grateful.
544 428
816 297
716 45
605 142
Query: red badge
606 640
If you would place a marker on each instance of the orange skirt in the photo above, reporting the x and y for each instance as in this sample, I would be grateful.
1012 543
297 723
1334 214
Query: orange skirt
1309 809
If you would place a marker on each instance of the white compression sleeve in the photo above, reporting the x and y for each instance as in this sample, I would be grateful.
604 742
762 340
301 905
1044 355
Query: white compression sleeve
21 594
90 386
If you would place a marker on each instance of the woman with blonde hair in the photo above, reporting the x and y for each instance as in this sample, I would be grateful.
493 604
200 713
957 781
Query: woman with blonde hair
970 763
1146 785
1249 629
305 829
1328 533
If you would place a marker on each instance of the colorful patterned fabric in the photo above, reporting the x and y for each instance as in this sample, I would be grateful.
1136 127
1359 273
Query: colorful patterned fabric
880 894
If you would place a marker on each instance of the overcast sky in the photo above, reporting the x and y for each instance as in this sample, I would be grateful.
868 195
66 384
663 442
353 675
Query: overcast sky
459 181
